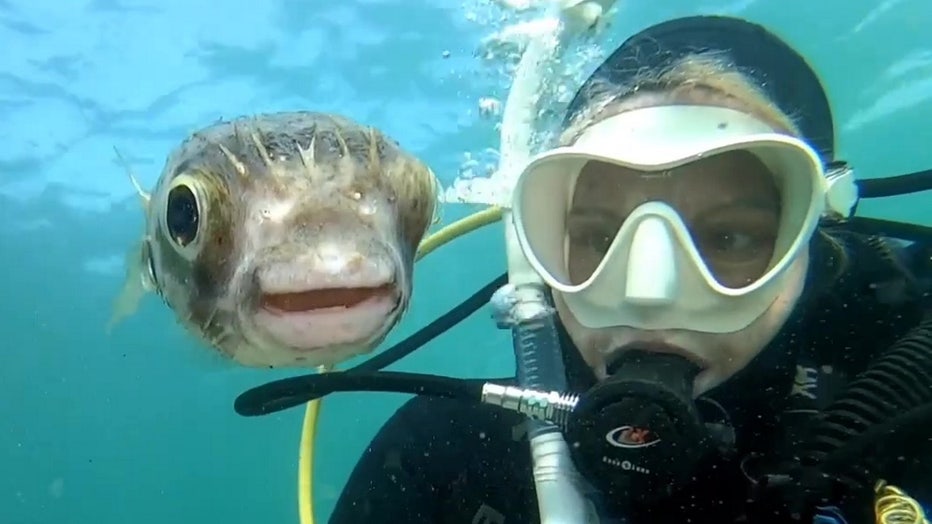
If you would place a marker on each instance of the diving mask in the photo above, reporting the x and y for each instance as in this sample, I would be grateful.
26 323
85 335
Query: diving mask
674 217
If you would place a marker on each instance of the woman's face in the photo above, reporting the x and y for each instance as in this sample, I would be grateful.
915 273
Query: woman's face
731 207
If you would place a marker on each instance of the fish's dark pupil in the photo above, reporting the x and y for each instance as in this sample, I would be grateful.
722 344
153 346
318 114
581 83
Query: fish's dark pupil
182 215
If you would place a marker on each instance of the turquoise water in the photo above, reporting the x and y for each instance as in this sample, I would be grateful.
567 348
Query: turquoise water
138 426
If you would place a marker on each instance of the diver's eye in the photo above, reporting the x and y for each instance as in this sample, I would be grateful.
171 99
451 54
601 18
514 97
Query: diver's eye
182 215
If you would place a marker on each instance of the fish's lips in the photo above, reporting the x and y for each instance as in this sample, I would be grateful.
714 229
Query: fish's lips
321 299
322 318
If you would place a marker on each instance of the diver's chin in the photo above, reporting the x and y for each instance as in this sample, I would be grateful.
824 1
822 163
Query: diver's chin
324 336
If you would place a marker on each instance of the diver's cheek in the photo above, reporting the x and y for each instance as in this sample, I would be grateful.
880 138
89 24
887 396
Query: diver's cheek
731 352
592 344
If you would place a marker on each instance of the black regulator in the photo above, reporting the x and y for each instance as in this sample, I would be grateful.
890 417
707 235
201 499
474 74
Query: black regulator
638 433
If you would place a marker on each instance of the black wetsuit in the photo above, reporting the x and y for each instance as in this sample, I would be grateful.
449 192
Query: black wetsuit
445 461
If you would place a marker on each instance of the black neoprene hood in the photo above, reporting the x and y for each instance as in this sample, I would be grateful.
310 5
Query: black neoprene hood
769 61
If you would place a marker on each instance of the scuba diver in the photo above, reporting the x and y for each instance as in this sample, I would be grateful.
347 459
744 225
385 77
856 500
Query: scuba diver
735 349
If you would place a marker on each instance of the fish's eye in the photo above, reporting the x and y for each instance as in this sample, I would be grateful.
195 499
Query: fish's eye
182 214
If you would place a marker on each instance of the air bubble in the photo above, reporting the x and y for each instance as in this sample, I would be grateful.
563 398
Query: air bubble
490 107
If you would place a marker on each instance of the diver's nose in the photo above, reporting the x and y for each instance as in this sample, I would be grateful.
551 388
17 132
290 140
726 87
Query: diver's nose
651 272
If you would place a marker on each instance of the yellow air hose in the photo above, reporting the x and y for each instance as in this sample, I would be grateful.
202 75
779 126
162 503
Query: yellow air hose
312 413
893 506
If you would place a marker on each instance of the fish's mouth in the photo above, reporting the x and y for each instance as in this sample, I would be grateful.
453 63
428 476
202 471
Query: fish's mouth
326 304
328 320
323 299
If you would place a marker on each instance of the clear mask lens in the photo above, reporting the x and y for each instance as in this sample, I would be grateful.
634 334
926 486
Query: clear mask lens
730 204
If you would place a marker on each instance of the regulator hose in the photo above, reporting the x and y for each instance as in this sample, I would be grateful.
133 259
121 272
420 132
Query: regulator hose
893 394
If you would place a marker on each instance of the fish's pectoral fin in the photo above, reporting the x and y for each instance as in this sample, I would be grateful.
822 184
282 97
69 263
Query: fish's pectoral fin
144 196
139 281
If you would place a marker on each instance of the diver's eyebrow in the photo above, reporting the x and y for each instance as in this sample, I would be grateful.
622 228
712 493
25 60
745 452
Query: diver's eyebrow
593 213
739 204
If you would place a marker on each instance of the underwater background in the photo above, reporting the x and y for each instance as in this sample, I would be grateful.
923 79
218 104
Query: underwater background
138 425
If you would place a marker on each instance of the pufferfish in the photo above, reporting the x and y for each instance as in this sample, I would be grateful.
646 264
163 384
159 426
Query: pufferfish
284 240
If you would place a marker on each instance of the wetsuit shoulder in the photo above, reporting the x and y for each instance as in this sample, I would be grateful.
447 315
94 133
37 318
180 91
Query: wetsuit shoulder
440 460
874 291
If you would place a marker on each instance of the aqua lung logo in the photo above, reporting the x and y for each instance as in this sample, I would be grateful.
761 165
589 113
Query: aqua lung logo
630 437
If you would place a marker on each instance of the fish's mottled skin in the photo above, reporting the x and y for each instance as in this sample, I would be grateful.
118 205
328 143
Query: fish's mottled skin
277 195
